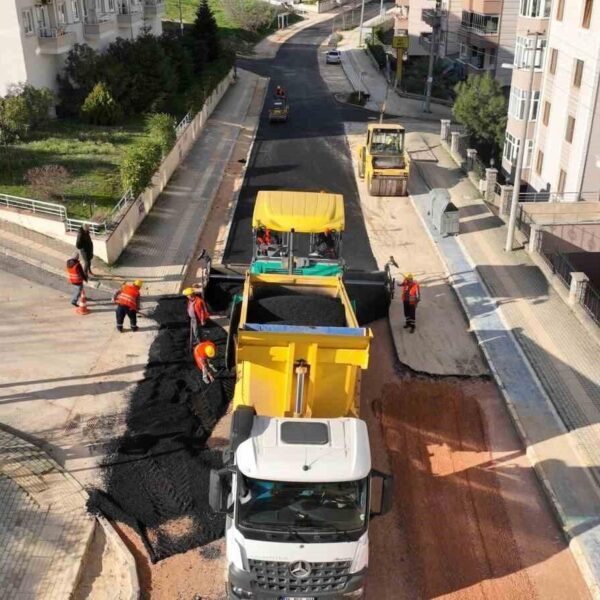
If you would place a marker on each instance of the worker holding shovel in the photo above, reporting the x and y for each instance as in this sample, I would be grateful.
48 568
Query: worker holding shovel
203 353
197 312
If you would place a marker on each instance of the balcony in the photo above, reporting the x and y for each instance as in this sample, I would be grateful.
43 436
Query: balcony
154 8
478 24
128 16
97 27
55 40
433 16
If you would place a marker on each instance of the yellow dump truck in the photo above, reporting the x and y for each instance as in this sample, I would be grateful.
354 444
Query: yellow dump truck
299 349
383 161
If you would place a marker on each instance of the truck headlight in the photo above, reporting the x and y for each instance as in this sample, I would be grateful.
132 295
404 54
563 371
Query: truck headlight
355 594
241 592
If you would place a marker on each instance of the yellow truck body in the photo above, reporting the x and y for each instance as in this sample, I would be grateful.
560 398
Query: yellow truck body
383 161
268 354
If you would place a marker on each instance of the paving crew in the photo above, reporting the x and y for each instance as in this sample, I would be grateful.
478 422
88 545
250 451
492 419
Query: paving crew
77 277
196 310
411 295
128 303
203 353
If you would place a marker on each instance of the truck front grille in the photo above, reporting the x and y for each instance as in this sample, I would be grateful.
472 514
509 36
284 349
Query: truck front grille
277 577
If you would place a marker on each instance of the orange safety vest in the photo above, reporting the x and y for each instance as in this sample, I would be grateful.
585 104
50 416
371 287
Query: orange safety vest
128 296
200 353
199 307
74 272
410 291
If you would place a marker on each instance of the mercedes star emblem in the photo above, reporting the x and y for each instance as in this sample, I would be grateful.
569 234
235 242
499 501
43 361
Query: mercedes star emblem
300 569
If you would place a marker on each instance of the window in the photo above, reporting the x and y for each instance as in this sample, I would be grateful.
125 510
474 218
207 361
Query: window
62 14
539 163
553 60
484 24
578 73
587 13
511 148
524 52
528 155
535 8
517 104
570 129
560 10
562 178
75 10
546 116
111 5
28 25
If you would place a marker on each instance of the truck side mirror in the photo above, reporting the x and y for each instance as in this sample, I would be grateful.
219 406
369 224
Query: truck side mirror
386 493
219 488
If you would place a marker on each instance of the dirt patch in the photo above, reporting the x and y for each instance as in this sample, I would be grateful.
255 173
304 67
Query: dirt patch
156 477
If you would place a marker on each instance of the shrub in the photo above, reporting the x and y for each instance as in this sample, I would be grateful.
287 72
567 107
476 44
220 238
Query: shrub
48 181
378 53
100 108
23 109
251 15
161 129
81 73
139 163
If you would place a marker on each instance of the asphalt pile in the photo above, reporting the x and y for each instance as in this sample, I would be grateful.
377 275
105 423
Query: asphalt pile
156 476
309 310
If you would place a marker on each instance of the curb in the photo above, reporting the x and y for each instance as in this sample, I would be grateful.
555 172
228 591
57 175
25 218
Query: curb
124 554
577 547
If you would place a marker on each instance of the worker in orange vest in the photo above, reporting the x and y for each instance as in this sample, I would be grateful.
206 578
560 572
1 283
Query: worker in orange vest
203 353
127 300
411 295
76 276
196 310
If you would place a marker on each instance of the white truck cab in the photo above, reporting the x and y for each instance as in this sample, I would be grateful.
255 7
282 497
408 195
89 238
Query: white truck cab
297 494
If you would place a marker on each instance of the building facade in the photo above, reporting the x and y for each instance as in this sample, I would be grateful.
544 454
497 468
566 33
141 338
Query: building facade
36 35
563 134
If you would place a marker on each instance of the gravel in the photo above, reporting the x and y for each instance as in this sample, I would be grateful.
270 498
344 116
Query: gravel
156 478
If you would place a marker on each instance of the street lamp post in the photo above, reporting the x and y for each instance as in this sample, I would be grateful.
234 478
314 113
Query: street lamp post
512 219
362 16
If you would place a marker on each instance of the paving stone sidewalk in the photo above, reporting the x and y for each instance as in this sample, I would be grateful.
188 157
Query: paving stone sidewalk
44 526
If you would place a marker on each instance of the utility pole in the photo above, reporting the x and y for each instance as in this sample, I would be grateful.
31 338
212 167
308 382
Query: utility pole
180 19
362 16
512 219
435 27
381 8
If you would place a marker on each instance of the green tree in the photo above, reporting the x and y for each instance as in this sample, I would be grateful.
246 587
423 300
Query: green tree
23 109
161 129
100 108
139 163
79 76
204 36
481 107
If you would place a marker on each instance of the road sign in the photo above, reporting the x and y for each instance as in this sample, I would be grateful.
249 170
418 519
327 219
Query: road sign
400 42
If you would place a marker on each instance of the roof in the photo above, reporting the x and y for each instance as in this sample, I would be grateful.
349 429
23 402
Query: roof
344 457
396 126
305 212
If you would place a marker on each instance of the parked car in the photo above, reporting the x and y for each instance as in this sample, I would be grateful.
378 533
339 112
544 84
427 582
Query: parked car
333 57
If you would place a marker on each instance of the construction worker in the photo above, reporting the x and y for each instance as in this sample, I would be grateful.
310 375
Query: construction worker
197 311
411 295
128 303
203 353
263 240
279 92
77 276
326 244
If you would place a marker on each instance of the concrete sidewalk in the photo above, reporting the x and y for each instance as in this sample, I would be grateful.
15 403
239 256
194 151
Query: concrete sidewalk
364 74
545 363
44 526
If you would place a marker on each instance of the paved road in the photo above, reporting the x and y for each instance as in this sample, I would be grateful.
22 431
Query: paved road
309 152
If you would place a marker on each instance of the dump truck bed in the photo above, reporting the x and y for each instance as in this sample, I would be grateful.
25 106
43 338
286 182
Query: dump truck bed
287 320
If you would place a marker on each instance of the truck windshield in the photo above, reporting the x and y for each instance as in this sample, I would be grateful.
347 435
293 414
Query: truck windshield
386 142
338 505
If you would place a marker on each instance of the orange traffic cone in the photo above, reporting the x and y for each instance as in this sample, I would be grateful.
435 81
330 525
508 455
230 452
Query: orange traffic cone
82 309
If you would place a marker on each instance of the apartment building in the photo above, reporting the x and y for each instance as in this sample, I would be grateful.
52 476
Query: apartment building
563 134
480 34
36 35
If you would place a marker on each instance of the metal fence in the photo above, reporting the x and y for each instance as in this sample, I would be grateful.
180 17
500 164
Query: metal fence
34 206
73 225
560 196
183 124
590 300
524 222
562 267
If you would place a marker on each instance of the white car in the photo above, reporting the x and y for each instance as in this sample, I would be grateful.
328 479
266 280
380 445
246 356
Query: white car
333 57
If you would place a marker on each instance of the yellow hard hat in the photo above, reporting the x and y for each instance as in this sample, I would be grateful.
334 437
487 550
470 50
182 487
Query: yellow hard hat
188 291
138 283
210 351
408 275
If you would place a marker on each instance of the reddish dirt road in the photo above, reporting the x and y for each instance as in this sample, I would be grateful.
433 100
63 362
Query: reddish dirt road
470 519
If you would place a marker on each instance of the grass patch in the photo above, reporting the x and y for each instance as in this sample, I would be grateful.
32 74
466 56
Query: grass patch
91 154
